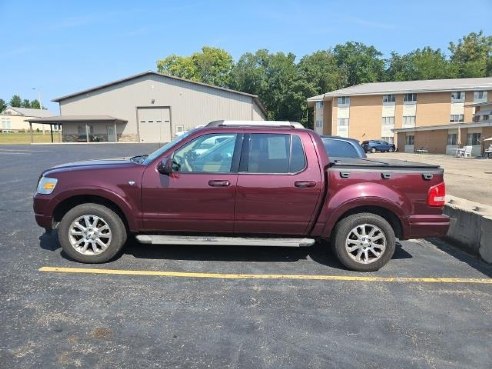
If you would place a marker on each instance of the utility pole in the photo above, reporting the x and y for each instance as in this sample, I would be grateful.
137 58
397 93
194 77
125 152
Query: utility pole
40 103
39 97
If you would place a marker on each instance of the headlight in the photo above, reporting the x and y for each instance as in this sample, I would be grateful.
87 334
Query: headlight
46 185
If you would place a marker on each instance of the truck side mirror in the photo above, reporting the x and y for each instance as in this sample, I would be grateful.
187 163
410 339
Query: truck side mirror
165 166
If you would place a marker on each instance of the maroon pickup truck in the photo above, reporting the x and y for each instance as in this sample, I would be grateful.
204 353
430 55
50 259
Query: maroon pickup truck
243 183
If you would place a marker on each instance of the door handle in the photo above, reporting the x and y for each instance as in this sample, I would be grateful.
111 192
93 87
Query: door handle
219 183
305 184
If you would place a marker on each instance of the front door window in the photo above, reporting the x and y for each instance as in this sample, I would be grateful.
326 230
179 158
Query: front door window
210 153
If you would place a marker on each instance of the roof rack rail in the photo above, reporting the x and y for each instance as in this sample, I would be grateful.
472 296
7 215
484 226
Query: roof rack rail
254 123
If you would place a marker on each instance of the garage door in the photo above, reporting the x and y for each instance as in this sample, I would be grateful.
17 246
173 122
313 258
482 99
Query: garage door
154 124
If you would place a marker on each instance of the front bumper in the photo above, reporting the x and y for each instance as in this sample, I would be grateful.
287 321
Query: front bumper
42 211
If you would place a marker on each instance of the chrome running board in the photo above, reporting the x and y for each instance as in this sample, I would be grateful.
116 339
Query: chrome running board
224 241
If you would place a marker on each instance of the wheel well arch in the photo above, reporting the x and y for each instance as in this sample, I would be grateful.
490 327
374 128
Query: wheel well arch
390 216
63 207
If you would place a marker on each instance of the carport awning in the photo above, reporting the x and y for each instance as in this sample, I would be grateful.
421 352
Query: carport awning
83 119
60 119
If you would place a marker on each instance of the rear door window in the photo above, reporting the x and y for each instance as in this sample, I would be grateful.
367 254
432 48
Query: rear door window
272 153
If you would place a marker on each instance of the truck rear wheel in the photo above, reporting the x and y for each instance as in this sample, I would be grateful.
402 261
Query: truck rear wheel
364 242
91 233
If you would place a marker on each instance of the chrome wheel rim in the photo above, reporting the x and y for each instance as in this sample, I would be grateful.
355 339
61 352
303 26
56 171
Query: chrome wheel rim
365 243
89 235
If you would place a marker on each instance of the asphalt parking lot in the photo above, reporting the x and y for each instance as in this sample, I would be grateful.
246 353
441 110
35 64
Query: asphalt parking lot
219 307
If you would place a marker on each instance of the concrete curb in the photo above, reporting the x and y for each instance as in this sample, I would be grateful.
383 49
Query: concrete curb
471 226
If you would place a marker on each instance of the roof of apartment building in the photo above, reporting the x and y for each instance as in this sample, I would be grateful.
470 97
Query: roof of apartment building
27 112
422 86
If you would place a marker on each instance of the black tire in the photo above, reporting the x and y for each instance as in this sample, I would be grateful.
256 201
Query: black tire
102 224
391 149
364 221
373 150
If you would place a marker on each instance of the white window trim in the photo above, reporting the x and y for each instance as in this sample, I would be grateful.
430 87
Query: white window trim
344 104
410 102
461 99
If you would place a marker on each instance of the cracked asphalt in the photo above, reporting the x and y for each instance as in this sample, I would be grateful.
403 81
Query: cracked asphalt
73 320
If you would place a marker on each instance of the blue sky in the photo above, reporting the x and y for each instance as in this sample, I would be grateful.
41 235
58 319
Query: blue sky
53 48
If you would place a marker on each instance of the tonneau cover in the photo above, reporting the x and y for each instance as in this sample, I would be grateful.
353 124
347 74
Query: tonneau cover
378 163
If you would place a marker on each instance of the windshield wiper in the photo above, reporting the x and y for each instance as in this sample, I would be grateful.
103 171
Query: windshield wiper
139 159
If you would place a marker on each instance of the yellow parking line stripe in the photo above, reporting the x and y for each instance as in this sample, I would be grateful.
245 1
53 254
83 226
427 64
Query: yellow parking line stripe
345 278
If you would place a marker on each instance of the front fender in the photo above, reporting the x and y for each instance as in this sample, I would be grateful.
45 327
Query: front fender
121 200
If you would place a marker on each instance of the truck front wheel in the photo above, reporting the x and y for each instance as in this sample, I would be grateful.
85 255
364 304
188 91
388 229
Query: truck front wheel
364 242
91 233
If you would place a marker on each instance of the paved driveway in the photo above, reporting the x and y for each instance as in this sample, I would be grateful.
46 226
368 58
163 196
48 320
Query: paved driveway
219 307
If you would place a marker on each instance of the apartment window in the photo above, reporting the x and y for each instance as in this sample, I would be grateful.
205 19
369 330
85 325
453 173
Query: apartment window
474 138
452 139
319 123
343 100
343 122
409 140
388 121
343 125
319 105
457 118
410 98
388 98
409 121
485 117
480 96
389 140
457 96
180 129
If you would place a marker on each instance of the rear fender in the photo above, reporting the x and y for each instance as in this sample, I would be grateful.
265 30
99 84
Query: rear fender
363 195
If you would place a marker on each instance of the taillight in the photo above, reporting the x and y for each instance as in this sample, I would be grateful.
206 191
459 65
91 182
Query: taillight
436 195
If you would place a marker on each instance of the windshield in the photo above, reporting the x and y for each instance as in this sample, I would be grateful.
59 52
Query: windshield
166 147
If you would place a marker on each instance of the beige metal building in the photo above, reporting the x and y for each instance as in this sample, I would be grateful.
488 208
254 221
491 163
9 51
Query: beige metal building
149 107
17 119
414 114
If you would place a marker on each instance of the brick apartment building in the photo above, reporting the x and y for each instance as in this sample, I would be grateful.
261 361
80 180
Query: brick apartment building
438 115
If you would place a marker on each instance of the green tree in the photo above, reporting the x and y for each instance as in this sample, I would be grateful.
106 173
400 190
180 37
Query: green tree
25 103
426 63
275 78
35 104
321 70
250 73
15 101
178 66
3 105
211 65
359 63
214 66
472 55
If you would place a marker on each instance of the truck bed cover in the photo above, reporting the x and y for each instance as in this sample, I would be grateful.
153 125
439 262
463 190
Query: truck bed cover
378 163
